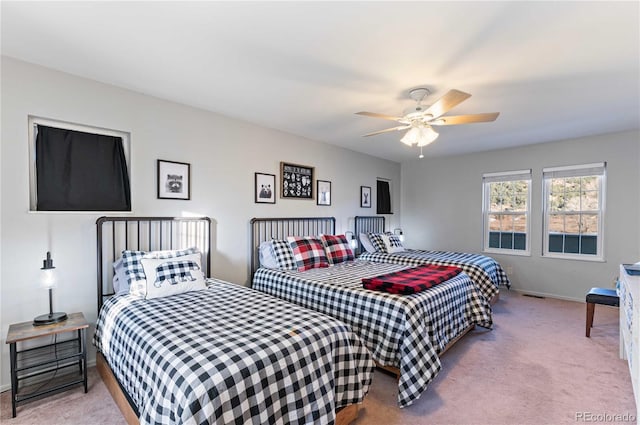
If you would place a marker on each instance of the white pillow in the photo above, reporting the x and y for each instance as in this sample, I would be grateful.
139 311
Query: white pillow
170 276
120 280
366 243
267 257
392 243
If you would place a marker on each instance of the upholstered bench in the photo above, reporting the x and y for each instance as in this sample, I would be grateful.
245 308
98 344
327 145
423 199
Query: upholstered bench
603 296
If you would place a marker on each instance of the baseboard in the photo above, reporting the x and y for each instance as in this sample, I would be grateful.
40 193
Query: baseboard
7 387
547 295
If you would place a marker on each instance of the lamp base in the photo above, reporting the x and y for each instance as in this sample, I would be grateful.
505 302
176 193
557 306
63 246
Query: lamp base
49 319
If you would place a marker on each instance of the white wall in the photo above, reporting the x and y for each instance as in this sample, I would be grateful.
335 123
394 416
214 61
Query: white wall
224 154
442 209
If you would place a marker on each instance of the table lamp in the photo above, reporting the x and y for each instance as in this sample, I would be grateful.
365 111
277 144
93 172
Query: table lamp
48 281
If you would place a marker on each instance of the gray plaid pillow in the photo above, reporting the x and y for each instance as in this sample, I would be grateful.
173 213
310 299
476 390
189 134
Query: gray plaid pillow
174 272
395 242
378 242
283 254
133 266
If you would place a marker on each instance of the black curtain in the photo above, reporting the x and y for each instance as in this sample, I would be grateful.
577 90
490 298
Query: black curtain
79 171
383 196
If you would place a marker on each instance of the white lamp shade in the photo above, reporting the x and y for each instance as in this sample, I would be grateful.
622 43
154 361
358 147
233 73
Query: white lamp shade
48 278
411 137
420 136
427 136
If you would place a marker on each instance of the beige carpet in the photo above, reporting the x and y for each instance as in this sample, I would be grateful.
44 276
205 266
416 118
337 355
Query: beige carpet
535 367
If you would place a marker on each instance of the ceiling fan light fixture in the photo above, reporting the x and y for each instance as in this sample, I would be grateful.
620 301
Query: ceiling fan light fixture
411 137
427 136
421 136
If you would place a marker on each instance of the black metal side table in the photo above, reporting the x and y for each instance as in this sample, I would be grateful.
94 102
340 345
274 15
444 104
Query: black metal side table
30 364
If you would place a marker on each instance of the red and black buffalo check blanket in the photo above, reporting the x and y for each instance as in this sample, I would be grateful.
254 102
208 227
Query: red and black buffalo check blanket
410 281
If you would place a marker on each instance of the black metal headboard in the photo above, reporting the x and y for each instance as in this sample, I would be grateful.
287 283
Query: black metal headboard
366 224
116 234
264 229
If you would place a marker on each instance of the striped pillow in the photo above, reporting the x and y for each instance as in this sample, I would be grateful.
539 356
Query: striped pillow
308 252
337 248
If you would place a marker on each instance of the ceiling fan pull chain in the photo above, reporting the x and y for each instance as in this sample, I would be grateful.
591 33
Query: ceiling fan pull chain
421 155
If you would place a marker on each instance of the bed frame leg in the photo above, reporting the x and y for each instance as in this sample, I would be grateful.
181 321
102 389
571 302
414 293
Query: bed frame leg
347 414
118 396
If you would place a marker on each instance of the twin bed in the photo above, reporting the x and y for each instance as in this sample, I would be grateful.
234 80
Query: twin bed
224 354
298 347
404 333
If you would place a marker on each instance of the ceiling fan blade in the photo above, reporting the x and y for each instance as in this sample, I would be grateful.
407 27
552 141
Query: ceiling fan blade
465 119
374 115
402 127
446 102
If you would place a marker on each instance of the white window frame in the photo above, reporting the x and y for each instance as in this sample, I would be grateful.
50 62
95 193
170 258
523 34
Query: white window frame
594 169
488 178
33 123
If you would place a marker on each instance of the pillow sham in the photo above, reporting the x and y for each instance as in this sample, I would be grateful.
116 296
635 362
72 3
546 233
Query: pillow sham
392 243
378 242
165 277
283 254
308 252
337 248
120 282
267 257
134 269
366 243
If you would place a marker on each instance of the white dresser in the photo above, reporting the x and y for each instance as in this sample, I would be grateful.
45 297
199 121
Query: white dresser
629 292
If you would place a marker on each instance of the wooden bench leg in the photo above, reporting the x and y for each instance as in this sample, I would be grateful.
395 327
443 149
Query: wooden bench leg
590 308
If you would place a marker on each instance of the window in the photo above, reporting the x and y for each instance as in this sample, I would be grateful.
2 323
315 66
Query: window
383 197
77 168
506 211
573 211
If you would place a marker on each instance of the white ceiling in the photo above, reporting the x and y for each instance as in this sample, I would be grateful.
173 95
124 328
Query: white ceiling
554 70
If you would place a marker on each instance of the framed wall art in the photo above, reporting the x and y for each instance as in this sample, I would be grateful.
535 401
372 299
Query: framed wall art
324 192
174 180
365 197
265 188
297 181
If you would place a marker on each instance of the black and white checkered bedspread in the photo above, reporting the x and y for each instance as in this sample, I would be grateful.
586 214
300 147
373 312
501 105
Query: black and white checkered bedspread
403 331
228 354
485 272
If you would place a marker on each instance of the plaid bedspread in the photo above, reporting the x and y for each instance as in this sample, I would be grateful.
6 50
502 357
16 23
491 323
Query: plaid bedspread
228 354
484 271
412 280
403 331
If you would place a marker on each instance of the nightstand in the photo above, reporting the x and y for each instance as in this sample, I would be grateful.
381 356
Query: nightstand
30 363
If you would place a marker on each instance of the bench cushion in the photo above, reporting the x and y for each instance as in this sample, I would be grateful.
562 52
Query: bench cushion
603 296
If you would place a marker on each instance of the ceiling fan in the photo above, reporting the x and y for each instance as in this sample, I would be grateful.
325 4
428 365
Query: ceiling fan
419 118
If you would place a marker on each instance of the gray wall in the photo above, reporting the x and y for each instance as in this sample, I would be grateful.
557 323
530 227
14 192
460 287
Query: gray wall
442 209
224 154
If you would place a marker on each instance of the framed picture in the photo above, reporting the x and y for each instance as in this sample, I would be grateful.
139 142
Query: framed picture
174 180
324 192
297 181
365 197
265 188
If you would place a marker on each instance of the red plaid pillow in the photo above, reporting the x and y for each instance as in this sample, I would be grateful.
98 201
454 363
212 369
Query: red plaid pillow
337 247
308 252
